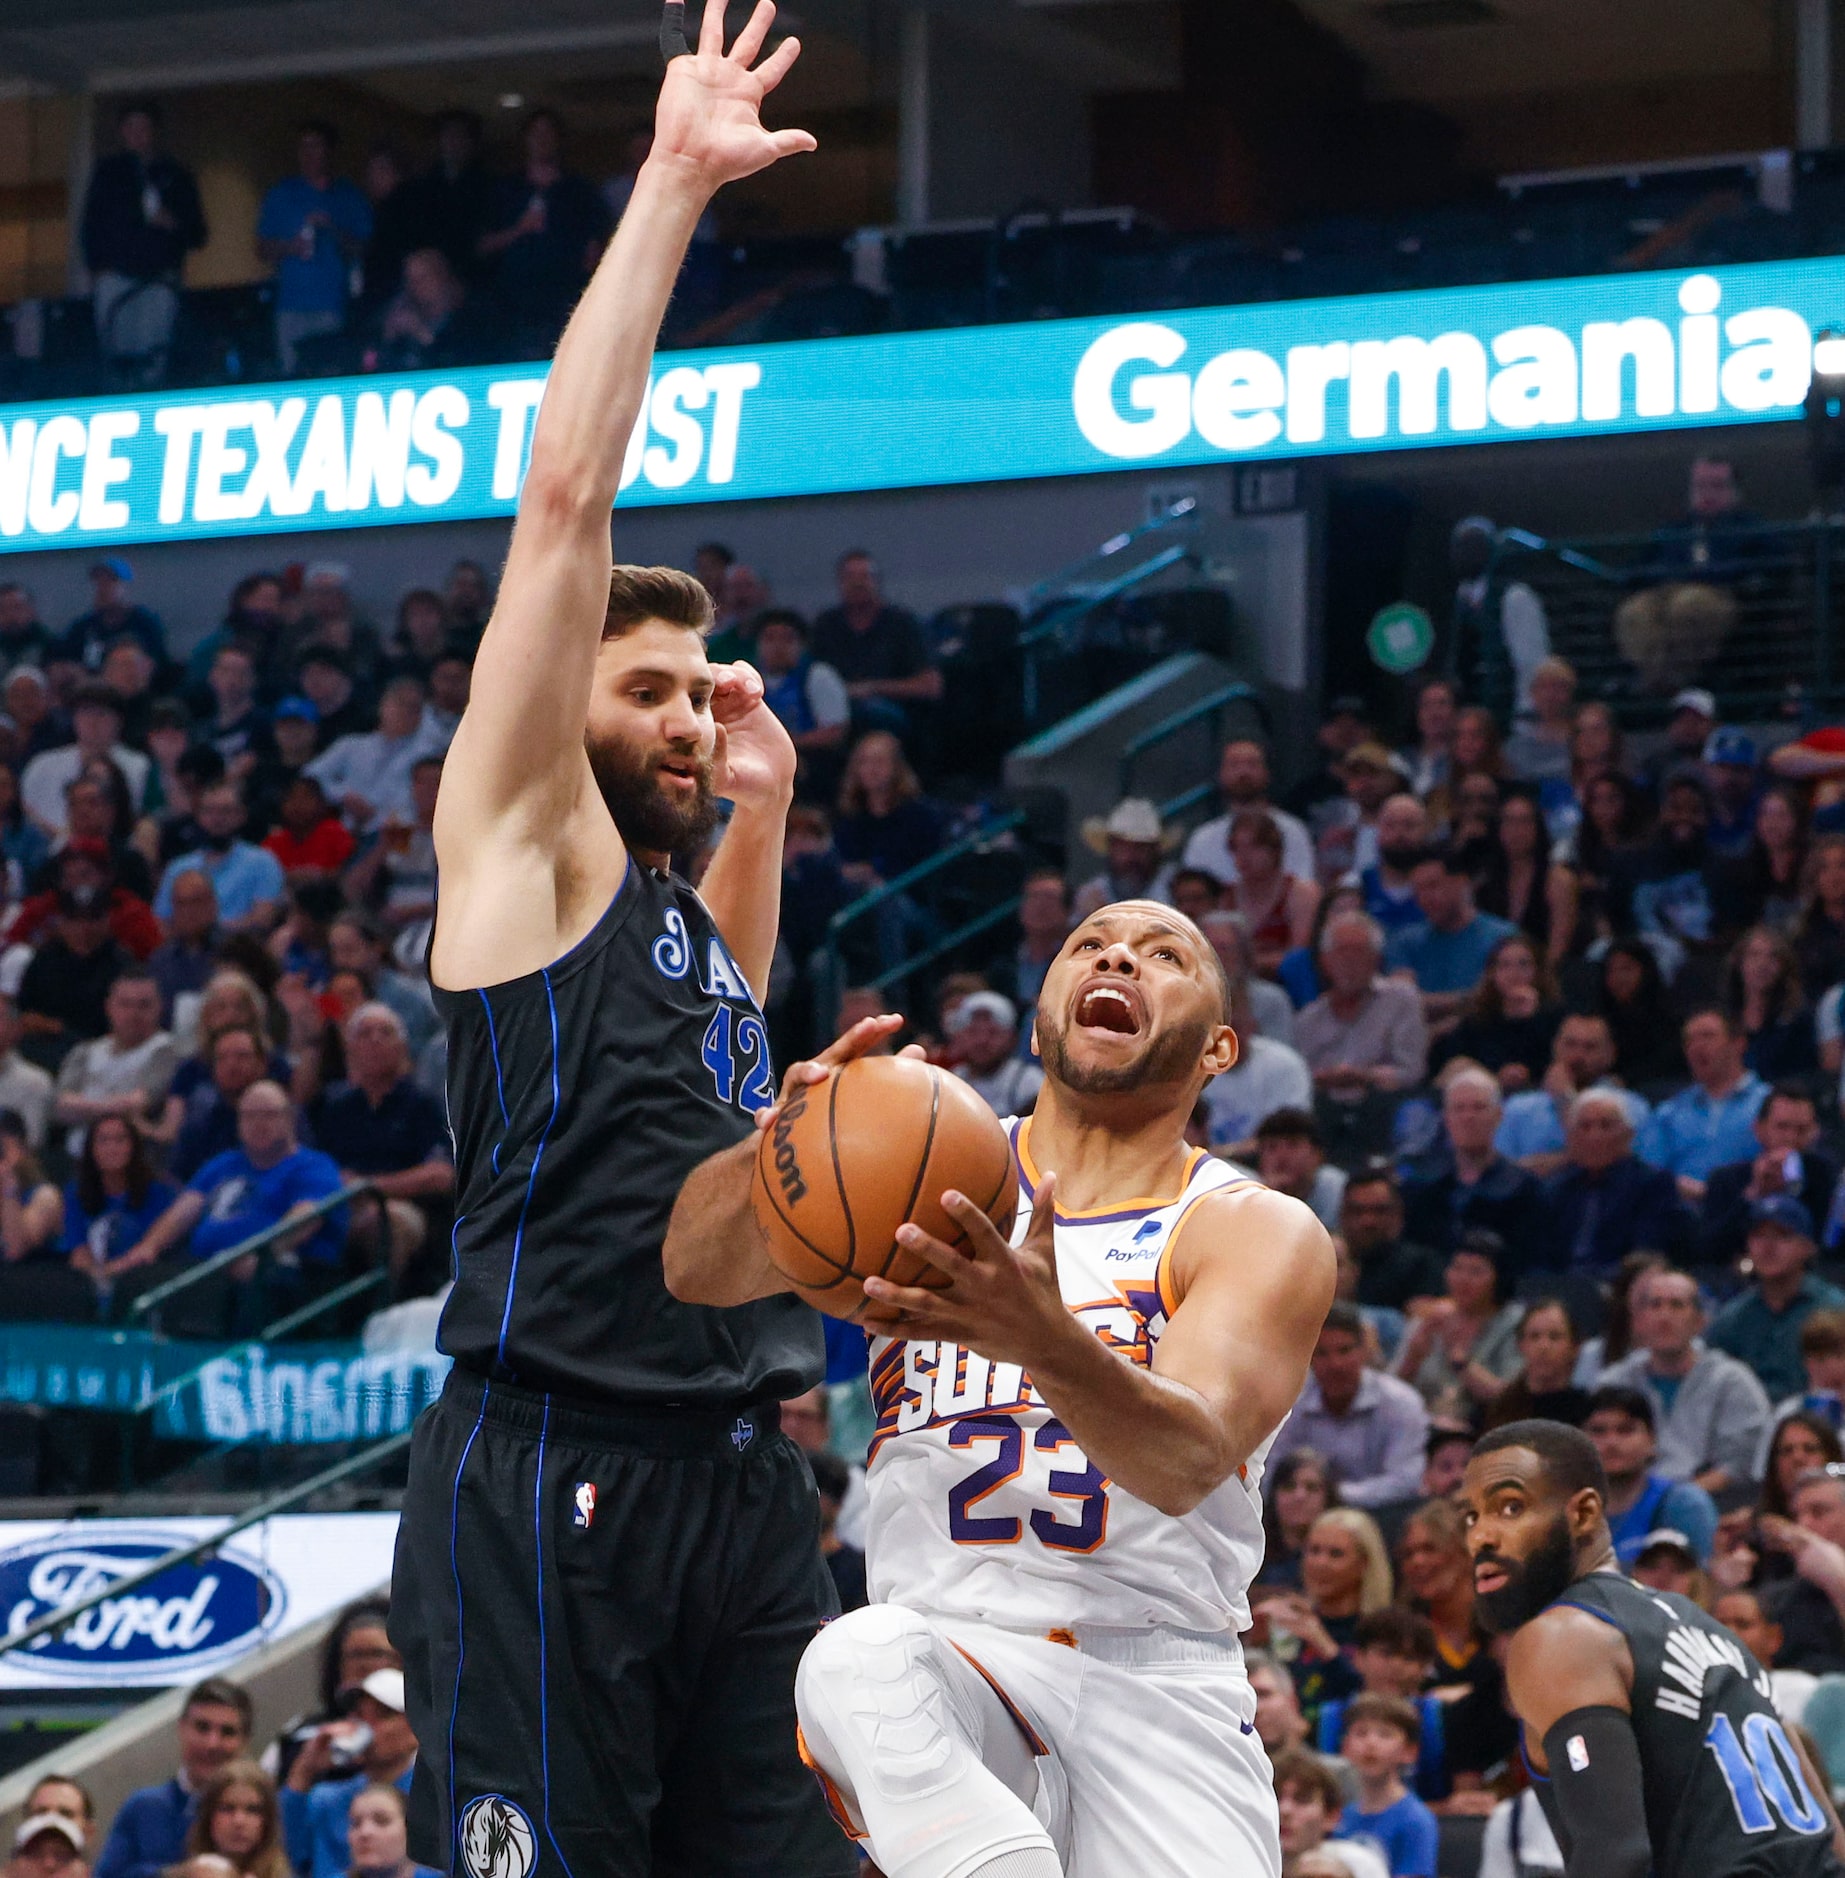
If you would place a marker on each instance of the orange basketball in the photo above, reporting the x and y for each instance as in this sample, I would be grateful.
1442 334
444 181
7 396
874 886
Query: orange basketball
850 1160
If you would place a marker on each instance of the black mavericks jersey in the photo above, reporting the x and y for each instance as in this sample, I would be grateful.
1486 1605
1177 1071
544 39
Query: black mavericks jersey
581 1096
1725 1790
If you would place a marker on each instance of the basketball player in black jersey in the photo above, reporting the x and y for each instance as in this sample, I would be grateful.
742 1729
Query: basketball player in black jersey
1647 1724
608 1564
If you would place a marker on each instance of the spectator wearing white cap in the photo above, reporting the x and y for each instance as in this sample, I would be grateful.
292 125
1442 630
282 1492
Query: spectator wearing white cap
47 1845
1137 847
983 1031
329 623
1693 718
374 1738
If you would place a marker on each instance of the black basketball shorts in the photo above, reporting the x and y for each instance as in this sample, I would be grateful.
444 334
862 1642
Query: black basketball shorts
600 1613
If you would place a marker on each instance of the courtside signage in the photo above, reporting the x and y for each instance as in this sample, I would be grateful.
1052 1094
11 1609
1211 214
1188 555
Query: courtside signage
258 1586
1565 358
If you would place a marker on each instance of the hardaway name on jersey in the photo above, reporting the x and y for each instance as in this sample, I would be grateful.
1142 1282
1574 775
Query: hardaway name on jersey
982 1507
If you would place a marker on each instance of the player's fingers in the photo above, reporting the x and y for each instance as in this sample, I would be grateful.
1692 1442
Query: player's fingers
711 29
736 690
792 143
774 68
673 43
985 1236
909 1305
915 1052
865 1035
945 1258
1043 1212
755 31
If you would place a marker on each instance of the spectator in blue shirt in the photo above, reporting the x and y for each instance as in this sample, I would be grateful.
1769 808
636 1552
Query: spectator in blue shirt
264 1180
115 1198
1382 1738
316 1809
1389 892
1446 952
311 229
248 880
149 1833
1532 1129
1712 1123
381 1127
1640 1501
87 639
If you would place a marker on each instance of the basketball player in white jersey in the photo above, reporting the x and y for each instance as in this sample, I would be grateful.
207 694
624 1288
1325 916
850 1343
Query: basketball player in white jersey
1065 1510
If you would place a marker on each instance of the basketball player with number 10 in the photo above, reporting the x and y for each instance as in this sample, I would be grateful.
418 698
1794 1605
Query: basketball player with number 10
1065 1478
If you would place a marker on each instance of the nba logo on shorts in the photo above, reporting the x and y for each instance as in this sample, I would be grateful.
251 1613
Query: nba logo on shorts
497 1840
585 1515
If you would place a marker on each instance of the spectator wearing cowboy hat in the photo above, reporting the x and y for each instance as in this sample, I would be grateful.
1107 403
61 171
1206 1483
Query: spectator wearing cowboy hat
1346 830
1136 846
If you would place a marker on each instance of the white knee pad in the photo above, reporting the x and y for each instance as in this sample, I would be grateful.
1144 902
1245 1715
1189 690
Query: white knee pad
888 1717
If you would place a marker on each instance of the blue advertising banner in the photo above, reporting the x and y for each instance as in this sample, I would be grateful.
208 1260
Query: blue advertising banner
1585 357
284 1392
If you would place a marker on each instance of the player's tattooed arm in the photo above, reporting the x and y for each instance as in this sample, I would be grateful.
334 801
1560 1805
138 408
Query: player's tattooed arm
715 1252
1252 1275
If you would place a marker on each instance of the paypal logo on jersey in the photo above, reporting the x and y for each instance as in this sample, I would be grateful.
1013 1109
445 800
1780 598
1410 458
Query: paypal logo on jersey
187 1620
718 977
1141 1246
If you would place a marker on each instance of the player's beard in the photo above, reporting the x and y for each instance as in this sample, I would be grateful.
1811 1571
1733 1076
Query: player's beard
1169 1056
647 819
1542 1577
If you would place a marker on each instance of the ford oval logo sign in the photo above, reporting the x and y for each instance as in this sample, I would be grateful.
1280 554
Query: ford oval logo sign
186 1622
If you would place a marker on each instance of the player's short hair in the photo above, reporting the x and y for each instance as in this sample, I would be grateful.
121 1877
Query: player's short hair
1570 1458
1823 1334
639 595
1623 1399
1397 1632
1308 1775
1389 1711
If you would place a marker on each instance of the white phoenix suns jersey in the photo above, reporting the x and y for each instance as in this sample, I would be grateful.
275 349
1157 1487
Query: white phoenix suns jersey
982 1507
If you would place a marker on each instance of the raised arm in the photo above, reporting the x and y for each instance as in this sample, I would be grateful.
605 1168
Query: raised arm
519 810
1252 1275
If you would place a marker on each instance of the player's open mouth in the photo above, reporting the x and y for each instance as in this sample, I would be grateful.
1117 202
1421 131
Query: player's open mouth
680 773
1489 1577
1109 1007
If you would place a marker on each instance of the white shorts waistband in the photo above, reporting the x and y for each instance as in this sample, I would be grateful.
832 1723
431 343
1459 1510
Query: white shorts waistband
1154 1644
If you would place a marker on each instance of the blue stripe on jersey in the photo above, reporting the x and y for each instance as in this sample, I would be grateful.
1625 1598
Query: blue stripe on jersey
544 1724
531 1184
499 1080
461 1632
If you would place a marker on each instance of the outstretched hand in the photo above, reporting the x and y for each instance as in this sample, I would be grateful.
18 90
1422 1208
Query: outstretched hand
709 118
867 1035
1001 1300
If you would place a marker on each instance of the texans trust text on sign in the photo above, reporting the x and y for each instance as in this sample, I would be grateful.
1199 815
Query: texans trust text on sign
1057 398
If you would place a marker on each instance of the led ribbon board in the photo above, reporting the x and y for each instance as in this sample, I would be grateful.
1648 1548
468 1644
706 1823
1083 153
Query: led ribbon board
1568 358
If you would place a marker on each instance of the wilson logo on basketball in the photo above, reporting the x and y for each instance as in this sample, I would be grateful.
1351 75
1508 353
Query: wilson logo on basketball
787 1162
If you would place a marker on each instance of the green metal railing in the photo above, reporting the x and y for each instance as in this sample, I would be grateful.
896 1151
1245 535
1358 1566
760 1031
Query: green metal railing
1211 709
924 874
259 1246
1071 600
353 1465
